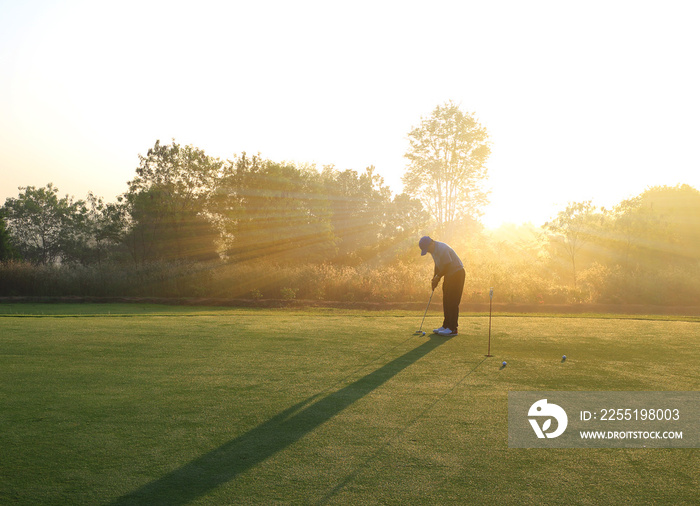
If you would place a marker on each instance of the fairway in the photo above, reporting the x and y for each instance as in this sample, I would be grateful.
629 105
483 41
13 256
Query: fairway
129 404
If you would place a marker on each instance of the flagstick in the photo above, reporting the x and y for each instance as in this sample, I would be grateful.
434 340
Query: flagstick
488 353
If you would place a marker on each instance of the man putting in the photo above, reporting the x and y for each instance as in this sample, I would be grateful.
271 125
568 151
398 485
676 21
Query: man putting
449 266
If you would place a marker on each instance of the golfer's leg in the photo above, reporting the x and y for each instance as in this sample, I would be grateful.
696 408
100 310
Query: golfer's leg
445 305
457 289
448 298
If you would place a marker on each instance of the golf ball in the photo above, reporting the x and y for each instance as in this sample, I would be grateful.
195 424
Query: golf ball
564 357
423 333
504 363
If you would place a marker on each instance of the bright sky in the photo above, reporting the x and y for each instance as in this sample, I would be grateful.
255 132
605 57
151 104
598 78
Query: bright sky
583 100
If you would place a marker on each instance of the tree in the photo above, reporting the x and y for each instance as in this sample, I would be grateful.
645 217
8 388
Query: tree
273 211
167 203
359 204
572 229
635 230
447 164
95 233
7 249
41 223
658 228
678 210
404 221
368 223
47 229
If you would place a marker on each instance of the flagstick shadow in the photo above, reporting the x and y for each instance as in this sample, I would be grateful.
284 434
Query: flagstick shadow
200 476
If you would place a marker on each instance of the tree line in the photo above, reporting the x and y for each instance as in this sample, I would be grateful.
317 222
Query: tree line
193 225
645 249
183 205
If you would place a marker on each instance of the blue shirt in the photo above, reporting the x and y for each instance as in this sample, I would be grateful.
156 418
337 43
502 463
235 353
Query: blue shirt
446 260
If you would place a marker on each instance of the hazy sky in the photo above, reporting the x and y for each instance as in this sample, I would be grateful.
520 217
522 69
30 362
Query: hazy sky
582 100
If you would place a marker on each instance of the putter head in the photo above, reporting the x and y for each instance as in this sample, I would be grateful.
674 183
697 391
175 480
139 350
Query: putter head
419 333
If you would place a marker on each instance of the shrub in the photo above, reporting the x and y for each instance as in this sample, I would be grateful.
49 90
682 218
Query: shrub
288 293
400 282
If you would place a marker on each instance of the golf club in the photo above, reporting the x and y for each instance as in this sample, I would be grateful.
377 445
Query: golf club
420 332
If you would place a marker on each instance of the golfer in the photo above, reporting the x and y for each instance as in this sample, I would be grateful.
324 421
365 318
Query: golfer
448 266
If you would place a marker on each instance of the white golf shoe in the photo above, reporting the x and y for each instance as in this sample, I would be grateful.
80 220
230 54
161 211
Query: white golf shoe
448 333
437 331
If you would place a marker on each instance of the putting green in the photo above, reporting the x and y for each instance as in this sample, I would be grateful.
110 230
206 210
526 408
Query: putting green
163 405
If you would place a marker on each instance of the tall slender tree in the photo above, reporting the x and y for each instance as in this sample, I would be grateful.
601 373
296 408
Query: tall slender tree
447 164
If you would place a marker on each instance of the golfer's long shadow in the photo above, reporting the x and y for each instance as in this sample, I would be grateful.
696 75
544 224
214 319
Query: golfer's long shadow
225 463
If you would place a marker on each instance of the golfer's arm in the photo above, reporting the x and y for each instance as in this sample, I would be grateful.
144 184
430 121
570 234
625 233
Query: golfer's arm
437 272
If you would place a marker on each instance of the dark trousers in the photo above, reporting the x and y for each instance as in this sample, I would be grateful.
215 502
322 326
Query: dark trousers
452 287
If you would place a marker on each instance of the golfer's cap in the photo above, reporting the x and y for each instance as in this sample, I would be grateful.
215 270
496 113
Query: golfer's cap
423 244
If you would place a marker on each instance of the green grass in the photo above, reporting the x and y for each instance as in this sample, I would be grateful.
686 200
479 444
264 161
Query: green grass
176 405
